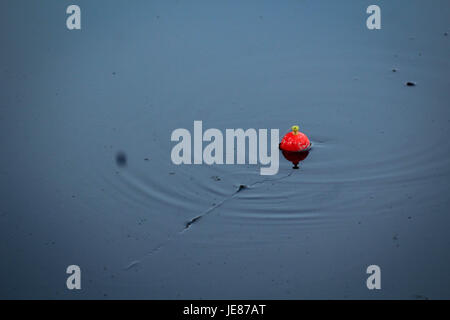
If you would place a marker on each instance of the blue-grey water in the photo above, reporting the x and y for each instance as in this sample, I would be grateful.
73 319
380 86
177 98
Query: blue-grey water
373 190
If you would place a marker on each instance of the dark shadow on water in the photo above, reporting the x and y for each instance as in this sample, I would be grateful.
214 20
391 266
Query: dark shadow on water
121 159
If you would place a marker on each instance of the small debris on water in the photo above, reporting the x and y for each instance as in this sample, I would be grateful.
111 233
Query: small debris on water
410 84
242 187
216 178
193 220
395 238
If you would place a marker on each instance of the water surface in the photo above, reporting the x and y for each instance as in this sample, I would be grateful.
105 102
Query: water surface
373 190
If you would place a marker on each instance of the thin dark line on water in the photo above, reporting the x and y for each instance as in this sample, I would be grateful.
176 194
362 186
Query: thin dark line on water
194 220
272 180
241 188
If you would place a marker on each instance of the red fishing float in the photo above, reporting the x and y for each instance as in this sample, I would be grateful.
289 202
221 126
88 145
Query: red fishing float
295 141
295 146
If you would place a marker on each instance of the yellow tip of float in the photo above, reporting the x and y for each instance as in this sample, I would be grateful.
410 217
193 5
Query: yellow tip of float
295 129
